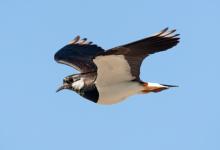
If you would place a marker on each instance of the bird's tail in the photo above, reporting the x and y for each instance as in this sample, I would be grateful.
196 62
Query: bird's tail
155 87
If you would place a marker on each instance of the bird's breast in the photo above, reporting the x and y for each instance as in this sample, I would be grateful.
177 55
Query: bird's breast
115 93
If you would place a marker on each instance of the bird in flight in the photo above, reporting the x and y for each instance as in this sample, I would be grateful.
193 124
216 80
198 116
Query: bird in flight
108 77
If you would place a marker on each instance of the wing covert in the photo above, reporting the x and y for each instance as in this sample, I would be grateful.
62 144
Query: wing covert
135 52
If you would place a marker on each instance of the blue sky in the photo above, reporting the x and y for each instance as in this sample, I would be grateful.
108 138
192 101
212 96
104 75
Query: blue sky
34 117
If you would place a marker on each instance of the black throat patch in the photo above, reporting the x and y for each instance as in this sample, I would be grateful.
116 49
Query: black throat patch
90 92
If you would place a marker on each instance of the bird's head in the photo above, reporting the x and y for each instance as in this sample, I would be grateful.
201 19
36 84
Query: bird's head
71 83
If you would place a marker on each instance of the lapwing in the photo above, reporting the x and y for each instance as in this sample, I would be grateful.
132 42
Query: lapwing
108 77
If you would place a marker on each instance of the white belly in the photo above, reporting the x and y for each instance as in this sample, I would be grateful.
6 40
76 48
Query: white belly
115 93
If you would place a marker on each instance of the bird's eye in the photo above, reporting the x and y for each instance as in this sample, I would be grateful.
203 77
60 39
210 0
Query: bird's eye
68 80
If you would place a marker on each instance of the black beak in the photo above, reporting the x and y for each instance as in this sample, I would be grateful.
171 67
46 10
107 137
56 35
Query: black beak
64 86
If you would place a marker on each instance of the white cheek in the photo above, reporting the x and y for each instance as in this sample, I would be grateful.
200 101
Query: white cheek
78 84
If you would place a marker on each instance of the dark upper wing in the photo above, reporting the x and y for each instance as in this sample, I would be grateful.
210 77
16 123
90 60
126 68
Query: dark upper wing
78 54
136 51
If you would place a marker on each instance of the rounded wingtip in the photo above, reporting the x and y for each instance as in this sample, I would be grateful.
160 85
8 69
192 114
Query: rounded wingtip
75 40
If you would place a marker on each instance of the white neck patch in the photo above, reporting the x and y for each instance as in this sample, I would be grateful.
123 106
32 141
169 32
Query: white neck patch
78 84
